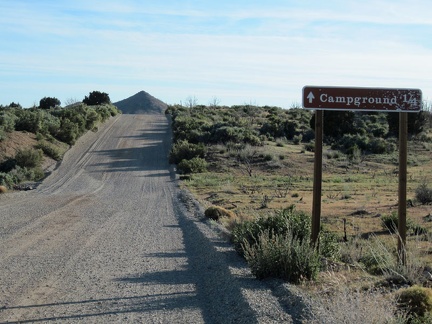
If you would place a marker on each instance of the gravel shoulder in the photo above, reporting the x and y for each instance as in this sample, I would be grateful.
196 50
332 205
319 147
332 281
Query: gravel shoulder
109 237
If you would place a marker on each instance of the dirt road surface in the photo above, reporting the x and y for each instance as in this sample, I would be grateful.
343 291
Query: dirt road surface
106 239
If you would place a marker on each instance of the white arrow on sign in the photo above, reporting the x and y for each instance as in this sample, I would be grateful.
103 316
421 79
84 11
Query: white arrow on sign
310 97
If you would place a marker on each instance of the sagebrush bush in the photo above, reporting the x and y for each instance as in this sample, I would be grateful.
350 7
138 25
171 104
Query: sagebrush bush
29 158
416 300
50 150
282 256
7 121
7 179
195 165
391 222
183 150
286 232
423 193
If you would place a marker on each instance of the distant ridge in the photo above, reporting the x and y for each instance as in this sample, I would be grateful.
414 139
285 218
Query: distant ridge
141 103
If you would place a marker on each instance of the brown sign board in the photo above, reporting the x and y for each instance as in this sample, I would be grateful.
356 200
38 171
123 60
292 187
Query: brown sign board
362 99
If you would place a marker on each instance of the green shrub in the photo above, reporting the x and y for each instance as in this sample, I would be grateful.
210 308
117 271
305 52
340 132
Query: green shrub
416 300
50 150
268 157
26 174
195 165
7 121
297 139
391 223
69 132
423 193
183 150
7 179
29 158
286 232
309 147
282 256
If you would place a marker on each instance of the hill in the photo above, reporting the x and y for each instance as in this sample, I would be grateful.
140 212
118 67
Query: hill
142 102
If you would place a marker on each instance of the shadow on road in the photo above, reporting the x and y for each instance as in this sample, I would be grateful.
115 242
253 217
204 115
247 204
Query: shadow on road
218 293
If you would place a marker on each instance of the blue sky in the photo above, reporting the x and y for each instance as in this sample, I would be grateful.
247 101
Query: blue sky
258 52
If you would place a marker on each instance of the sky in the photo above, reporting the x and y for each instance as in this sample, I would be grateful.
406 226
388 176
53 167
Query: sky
231 52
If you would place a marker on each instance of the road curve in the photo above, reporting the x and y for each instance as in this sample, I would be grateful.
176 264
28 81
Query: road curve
106 239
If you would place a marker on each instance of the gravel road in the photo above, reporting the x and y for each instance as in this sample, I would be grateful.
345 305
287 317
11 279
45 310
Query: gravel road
109 238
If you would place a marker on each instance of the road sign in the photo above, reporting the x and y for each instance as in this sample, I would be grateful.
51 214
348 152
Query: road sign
362 99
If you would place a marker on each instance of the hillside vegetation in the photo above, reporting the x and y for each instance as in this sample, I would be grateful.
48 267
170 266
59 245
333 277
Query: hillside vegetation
254 165
30 137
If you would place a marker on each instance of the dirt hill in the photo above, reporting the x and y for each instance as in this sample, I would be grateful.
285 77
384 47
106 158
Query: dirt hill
142 102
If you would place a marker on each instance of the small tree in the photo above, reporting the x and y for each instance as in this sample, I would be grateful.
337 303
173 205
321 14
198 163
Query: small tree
97 98
49 102
15 105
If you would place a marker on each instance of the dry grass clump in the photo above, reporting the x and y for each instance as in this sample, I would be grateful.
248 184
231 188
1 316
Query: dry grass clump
339 301
3 189
354 307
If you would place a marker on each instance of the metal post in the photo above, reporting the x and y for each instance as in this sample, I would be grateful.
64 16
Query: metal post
317 184
403 135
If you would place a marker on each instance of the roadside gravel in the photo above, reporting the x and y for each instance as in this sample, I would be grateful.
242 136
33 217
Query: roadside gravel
108 237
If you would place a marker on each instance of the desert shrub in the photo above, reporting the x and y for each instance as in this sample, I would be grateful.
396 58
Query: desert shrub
92 119
391 222
216 212
282 256
194 129
423 193
20 174
183 150
50 150
416 300
7 179
268 157
297 139
194 165
7 121
287 239
69 132
29 120
29 158
348 142
380 146
226 134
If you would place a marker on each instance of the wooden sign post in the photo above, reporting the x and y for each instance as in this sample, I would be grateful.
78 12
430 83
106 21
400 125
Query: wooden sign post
402 207
362 99
317 182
